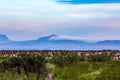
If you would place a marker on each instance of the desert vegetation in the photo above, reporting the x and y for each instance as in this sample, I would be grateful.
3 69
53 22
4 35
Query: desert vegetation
59 65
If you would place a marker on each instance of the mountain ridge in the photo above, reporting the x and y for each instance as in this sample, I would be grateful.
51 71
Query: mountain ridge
49 42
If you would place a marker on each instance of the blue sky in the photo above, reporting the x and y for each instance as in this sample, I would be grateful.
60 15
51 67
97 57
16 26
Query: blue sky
86 19
88 1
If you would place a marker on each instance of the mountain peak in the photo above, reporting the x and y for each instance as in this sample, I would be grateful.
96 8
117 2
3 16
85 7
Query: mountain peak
3 38
47 37
53 35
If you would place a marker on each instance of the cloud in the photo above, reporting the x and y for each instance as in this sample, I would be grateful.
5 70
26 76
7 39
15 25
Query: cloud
83 16
99 7
93 11
59 37
87 1
16 14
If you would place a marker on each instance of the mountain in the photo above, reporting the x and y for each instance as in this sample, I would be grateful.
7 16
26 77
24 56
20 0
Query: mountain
4 39
51 40
109 42
56 42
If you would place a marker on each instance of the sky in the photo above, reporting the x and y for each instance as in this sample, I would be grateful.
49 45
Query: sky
80 19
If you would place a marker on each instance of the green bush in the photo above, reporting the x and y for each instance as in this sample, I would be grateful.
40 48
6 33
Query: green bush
98 57
65 59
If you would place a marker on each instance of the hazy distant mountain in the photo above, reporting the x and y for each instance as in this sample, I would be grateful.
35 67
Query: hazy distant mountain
109 42
4 39
54 42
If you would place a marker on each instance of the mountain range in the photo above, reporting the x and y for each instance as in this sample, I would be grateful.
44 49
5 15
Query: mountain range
52 43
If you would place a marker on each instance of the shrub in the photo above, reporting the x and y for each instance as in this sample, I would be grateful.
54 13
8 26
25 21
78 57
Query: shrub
65 59
98 57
